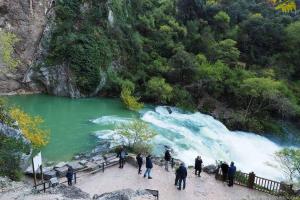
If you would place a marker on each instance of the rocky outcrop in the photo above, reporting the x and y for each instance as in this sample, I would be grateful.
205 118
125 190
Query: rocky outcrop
33 22
27 20
57 80
126 194
210 169
17 134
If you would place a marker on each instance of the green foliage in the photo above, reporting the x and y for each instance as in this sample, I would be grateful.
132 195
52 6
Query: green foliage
268 95
222 17
137 134
289 160
226 51
10 154
86 49
240 53
128 99
158 89
4 114
7 42
183 99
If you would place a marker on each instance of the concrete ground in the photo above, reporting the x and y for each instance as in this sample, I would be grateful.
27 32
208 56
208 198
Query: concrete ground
204 187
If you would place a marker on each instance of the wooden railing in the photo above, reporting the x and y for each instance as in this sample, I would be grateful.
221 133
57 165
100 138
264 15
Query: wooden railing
258 183
46 184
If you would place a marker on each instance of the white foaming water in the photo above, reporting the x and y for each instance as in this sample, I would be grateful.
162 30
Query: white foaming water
110 17
108 120
192 134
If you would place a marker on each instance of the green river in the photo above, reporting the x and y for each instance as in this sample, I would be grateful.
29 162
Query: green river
68 121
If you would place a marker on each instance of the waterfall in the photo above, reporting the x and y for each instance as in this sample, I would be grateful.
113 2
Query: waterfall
110 17
193 134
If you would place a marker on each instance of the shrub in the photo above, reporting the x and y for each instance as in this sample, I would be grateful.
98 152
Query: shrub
7 42
10 154
137 135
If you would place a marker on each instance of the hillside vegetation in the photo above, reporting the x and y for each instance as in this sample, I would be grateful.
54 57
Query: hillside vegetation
237 57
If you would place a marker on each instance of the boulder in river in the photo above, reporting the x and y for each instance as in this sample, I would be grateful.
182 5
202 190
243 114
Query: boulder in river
49 174
97 158
75 165
61 171
83 162
60 164
91 166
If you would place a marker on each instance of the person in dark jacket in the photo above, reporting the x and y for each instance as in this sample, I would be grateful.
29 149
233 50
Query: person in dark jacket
224 168
139 161
231 174
182 174
122 155
176 176
167 159
70 175
149 166
198 166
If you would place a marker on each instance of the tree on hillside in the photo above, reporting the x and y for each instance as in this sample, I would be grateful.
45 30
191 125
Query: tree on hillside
266 94
289 160
31 127
158 89
285 5
7 42
130 101
226 51
292 43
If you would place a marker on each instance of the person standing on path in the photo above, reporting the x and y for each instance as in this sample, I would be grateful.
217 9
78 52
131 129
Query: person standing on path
182 174
198 166
224 168
121 155
231 174
70 175
176 176
139 161
167 159
149 166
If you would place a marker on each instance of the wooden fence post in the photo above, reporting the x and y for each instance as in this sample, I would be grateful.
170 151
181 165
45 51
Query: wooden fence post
251 180
44 186
172 163
103 167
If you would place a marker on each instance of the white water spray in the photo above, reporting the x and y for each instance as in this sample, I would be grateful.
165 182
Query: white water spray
193 134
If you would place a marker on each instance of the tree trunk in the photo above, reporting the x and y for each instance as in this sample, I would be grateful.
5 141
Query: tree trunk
248 107
31 7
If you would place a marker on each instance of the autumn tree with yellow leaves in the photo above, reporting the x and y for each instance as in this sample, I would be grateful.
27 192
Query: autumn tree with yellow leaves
30 127
284 5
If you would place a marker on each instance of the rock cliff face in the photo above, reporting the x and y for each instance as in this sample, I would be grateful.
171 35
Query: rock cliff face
26 19
32 22
17 134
